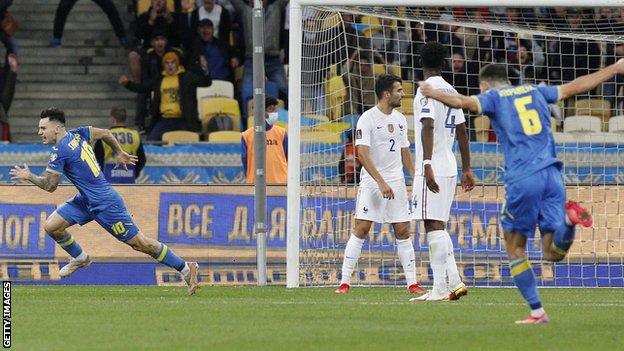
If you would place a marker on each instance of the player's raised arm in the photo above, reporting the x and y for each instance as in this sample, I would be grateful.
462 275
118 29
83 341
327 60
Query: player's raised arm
590 81
107 136
452 100
467 177
48 181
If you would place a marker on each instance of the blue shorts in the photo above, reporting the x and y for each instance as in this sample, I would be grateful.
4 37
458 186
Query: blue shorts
538 199
114 218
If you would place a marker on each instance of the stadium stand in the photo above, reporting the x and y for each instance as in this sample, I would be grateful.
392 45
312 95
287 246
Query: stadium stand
179 136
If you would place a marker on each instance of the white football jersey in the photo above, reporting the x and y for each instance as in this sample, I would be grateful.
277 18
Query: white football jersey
385 135
445 119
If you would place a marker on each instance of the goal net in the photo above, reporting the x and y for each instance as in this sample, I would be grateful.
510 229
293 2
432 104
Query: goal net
342 49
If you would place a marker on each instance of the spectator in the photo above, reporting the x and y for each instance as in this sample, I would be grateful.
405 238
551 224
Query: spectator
312 77
220 18
184 22
150 69
216 53
9 78
130 142
276 168
156 21
174 106
361 85
460 77
572 58
349 166
386 40
274 69
9 27
157 17
65 6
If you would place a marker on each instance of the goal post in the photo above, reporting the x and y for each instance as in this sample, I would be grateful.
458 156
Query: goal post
318 198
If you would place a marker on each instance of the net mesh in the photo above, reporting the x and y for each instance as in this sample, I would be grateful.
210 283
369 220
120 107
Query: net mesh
345 48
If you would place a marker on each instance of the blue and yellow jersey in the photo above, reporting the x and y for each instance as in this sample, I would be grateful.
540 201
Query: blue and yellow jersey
74 157
521 120
128 138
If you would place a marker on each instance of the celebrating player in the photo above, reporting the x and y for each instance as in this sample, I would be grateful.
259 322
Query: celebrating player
383 151
534 189
436 174
73 156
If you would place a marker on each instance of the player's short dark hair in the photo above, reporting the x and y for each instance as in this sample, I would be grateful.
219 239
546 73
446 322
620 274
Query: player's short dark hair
433 55
384 83
270 101
119 114
54 114
493 73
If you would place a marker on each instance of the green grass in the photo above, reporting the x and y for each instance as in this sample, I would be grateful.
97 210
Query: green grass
276 318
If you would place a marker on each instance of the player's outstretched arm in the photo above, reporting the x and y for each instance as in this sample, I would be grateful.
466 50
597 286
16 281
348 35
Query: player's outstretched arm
363 153
467 177
48 181
452 100
590 81
107 136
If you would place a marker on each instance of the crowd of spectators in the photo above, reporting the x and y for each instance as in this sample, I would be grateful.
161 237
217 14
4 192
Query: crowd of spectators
177 46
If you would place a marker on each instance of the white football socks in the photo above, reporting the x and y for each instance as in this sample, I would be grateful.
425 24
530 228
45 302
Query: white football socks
80 258
408 260
351 257
437 258
451 266
186 270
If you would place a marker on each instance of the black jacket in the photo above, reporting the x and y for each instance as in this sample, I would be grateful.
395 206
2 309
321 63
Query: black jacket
189 81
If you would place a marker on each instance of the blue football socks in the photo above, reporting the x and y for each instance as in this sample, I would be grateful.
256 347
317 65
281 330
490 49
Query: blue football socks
563 238
524 278
168 257
70 245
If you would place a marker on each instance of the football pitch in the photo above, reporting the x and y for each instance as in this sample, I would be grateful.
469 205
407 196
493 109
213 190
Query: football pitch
276 318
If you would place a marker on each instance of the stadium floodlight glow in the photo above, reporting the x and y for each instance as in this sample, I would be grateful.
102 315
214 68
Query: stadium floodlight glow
317 200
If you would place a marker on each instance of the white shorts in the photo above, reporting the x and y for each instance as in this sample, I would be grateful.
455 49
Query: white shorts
429 205
371 206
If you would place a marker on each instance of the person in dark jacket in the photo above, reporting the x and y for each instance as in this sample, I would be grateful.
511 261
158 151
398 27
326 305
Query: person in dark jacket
65 6
174 103
215 52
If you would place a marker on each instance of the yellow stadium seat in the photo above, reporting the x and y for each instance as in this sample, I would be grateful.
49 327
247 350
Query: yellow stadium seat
336 95
179 136
332 127
218 88
594 107
408 88
224 136
332 21
320 137
214 106
144 5
374 25
407 106
482 128
394 69
379 69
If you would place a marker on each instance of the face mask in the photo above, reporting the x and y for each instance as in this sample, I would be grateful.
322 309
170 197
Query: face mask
272 118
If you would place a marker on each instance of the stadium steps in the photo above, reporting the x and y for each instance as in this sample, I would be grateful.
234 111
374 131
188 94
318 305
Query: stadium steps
80 77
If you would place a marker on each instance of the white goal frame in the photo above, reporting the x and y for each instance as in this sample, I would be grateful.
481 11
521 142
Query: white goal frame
294 95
